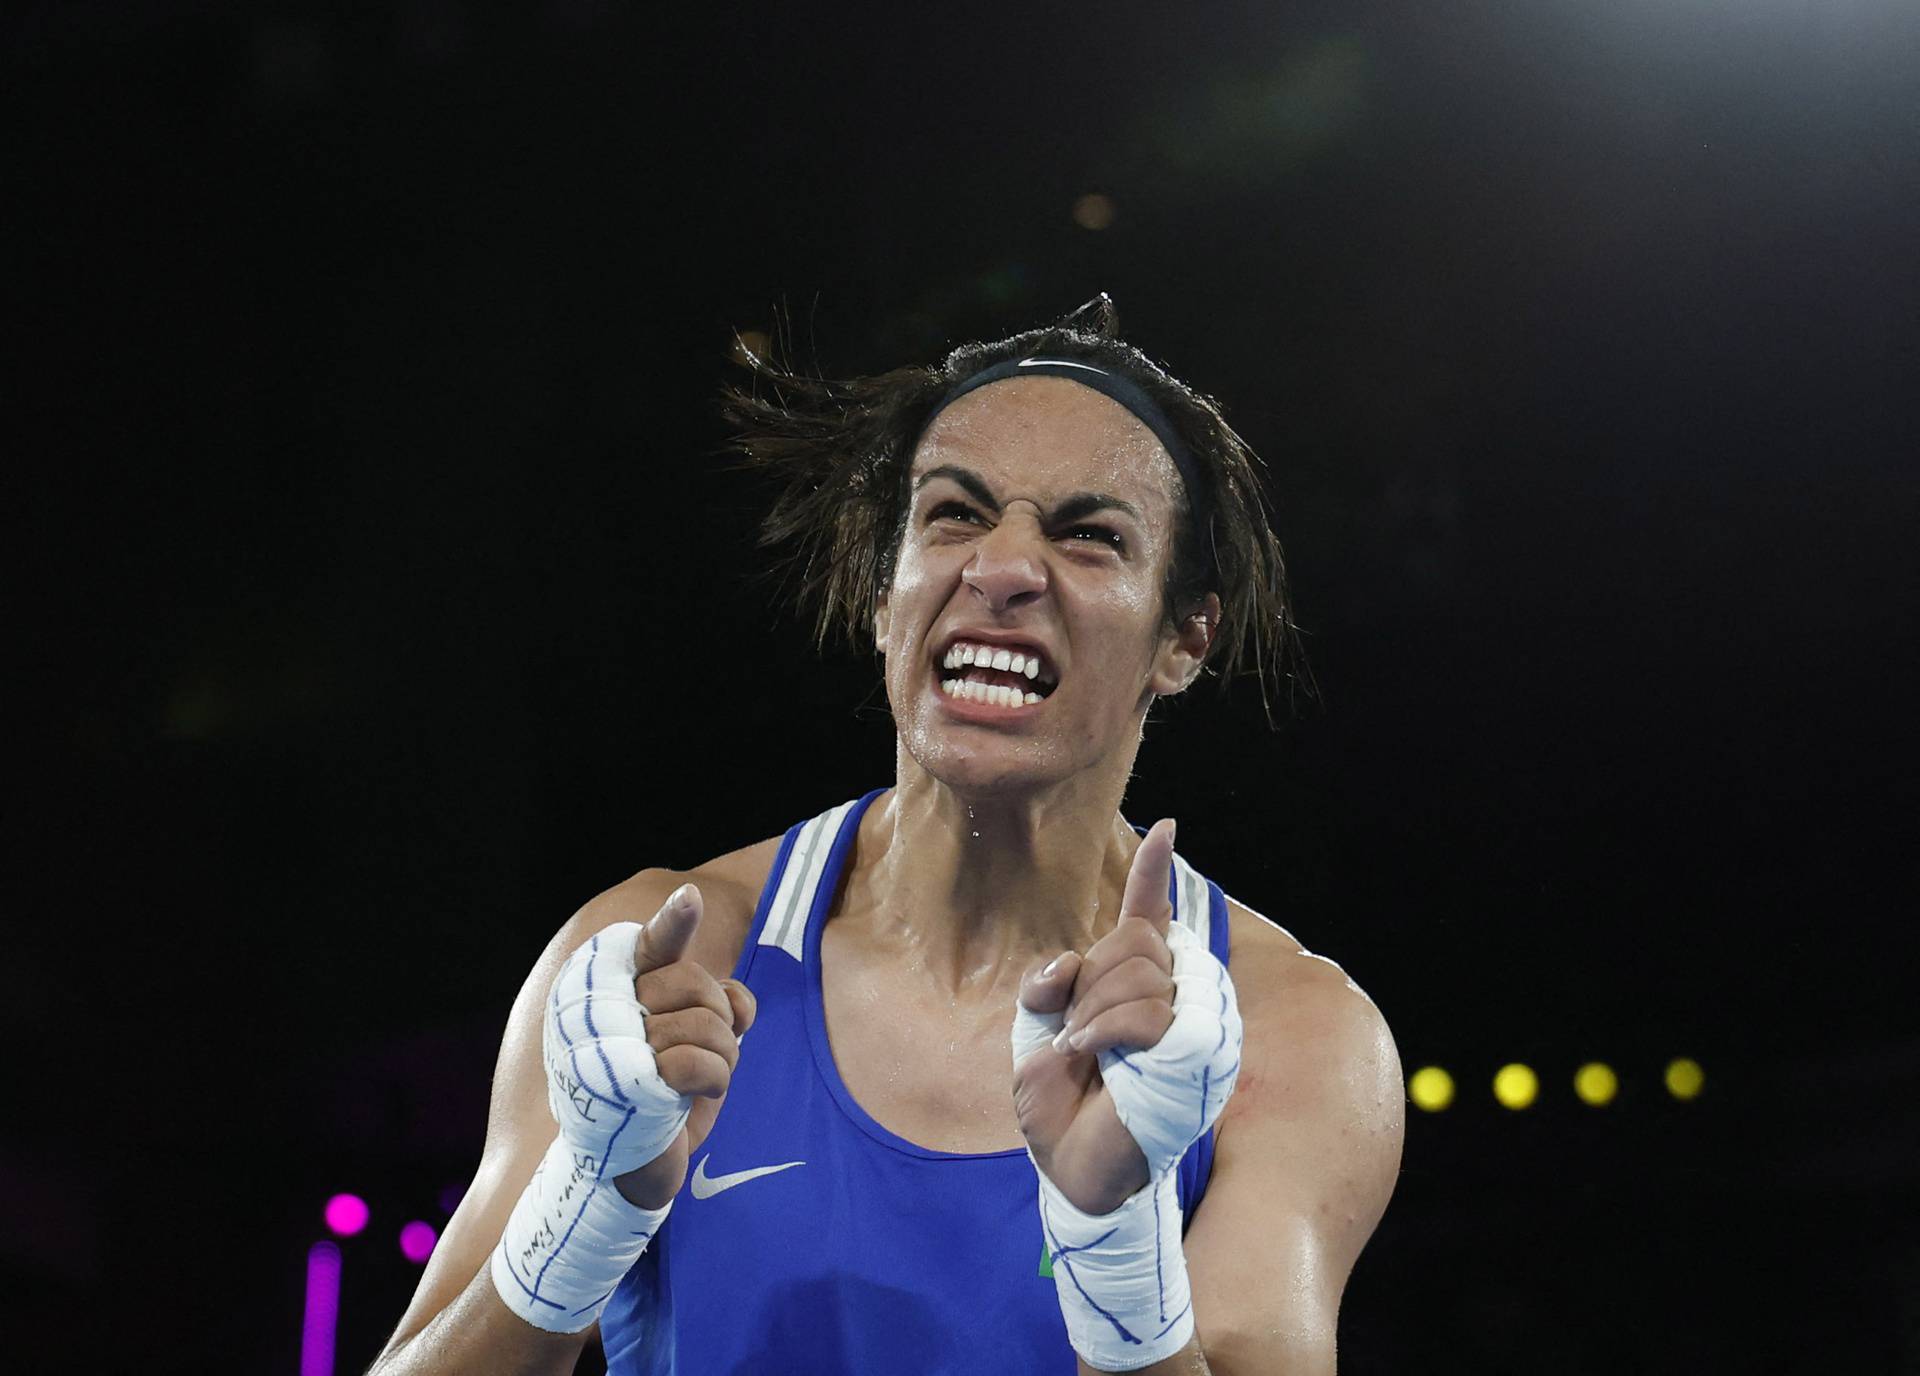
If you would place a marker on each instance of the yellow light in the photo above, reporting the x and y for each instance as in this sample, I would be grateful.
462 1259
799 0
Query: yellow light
1093 211
1430 1088
1596 1083
1684 1078
1516 1085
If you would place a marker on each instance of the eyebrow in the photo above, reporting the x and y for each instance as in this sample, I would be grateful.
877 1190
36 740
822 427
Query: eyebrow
1072 509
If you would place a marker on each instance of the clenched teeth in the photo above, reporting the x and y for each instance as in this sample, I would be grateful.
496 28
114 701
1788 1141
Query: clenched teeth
993 694
962 655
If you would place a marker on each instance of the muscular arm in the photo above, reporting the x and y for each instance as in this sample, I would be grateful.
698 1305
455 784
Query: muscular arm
456 1322
1306 1158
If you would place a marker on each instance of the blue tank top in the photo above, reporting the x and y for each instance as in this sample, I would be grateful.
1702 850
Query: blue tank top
808 1238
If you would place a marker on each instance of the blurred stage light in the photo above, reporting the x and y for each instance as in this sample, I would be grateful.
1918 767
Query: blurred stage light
1516 1085
1430 1088
1684 1078
1596 1083
450 1197
1093 211
318 1326
346 1214
416 1241
749 342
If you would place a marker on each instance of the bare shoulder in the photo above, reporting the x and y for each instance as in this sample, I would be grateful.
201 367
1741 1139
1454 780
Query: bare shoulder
1306 1156
1271 966
1317 1045
729 887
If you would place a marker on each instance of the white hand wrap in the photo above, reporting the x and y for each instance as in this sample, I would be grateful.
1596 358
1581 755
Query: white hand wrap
573 1235
1122 1277
1171 1094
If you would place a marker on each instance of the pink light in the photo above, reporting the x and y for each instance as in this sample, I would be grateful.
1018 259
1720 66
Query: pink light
416 1241
346 1214
323 1309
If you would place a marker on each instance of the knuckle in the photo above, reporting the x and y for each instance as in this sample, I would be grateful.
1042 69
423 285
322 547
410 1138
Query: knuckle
703 989
1139 1023
696 1026
675 1065
682 984
707 1029
654 988
679 1024
746 1008
1096 965
1134 978
693 1070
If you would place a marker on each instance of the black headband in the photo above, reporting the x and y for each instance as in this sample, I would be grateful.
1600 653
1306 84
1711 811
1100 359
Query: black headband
1118 386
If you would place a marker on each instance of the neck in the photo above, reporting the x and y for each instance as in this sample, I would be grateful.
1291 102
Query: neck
970 888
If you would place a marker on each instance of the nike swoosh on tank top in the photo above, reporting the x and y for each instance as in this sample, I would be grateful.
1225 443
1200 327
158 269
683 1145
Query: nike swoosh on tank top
874 1254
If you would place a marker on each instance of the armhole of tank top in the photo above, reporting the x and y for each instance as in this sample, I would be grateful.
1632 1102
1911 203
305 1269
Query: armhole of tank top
1196 1169
744 964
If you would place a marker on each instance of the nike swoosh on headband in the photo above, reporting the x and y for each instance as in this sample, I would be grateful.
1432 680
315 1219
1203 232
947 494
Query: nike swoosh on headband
706 1186
1060 363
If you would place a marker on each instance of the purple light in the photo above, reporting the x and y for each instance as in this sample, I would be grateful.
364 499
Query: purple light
450 1198
346 1214
416 1241
323 1309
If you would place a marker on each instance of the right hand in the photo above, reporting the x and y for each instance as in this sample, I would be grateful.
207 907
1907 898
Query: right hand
694 1024
640 1044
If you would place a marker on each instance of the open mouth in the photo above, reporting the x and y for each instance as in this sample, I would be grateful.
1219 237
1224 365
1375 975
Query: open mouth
996 675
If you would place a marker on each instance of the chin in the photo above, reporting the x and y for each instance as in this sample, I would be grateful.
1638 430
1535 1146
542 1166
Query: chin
991 785
985 769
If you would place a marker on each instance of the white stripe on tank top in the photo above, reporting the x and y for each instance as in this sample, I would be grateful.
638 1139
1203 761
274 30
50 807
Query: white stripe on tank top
786 925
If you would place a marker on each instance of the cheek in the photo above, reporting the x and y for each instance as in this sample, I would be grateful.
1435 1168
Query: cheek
911 609
1130 609
914 566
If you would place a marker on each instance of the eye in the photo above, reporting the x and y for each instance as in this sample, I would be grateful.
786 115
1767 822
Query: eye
1101 533
954 510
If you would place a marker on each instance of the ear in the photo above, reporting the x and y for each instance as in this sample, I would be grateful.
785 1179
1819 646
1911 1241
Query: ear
1184 652
882 624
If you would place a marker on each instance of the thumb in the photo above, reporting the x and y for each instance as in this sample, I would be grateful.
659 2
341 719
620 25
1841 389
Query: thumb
1150 878
667 934
1045 989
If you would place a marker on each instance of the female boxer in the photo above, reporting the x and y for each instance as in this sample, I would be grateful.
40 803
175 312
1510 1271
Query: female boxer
1004 1109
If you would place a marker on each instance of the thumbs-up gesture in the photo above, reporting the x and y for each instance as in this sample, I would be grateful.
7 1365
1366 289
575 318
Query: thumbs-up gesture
640 1044
1120 994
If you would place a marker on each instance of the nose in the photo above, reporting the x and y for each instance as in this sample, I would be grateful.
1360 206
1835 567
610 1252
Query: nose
1007 568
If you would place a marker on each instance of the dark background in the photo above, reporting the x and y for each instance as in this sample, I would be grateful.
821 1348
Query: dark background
378 597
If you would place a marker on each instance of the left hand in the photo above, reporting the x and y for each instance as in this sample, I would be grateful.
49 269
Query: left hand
1119 994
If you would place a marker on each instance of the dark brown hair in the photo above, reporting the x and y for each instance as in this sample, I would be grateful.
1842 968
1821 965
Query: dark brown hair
842 453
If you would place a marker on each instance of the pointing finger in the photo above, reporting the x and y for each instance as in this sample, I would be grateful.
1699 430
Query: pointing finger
665 937
1150 877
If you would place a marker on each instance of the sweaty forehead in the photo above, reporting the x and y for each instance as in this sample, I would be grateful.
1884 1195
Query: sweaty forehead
1053 435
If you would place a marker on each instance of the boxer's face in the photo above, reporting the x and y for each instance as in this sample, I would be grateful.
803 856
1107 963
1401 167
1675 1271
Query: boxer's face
1040 519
